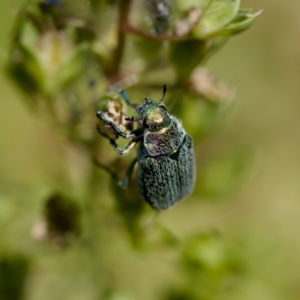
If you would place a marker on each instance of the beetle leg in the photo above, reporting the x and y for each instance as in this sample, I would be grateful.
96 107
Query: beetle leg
116 129
124 183
164 93
126 99
102 133
121 182
127 148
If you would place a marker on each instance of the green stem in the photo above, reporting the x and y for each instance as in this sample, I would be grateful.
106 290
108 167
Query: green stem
124 9
127 27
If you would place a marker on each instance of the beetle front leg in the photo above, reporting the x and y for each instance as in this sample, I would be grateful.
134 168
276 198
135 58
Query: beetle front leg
127 148
124 151
115 128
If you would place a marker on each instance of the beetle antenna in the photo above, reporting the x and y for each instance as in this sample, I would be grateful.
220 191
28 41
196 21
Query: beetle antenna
132 119
125 97
164 93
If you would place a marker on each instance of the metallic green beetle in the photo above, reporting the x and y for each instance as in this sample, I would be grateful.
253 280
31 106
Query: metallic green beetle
166 161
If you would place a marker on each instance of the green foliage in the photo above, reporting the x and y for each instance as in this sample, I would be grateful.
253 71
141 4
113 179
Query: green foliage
216 14
242 20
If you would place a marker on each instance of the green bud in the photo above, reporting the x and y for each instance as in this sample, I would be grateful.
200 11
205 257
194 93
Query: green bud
44 61
111 105
215 15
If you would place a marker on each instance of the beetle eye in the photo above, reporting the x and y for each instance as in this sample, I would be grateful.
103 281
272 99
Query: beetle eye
145 124
164 107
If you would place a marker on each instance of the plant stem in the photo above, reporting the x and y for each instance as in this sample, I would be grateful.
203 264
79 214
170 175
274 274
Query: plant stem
114 72
127 27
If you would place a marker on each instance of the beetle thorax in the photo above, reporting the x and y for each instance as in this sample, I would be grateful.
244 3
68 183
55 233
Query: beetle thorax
166 141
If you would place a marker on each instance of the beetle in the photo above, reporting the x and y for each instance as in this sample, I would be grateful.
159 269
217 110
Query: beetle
165 157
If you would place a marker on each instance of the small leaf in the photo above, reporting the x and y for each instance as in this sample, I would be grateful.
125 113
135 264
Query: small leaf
30 69
218 14
240 23
72 68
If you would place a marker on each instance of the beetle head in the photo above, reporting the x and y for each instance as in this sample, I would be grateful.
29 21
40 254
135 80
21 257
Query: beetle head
153 116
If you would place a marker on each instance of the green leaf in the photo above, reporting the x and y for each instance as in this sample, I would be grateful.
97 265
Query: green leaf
218 14
32 69
72 68
240 23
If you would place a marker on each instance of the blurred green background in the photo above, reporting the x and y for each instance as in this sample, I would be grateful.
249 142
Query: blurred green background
258 223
